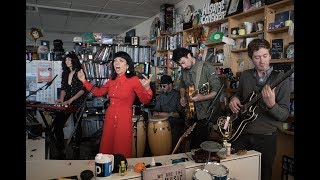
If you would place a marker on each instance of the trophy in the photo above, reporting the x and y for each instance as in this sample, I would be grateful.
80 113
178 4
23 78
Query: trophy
225 128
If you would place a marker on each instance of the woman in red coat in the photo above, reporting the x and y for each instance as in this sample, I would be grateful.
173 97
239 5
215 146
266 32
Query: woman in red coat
122 89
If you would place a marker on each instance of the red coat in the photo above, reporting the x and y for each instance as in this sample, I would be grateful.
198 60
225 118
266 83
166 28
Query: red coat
117 128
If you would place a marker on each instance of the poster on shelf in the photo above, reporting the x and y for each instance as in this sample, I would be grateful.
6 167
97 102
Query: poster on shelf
31 68
46 95
37 79
44 71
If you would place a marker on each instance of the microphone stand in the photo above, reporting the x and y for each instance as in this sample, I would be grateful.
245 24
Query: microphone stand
48 84
79 112
211 106
35 92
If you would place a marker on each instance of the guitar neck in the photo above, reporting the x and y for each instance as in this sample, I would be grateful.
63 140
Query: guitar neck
178 144
185 134
272 85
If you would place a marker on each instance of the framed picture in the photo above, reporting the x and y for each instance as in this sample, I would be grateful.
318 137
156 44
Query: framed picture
235 7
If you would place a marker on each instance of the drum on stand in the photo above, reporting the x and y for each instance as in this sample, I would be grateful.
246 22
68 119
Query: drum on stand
201 174
217 170
139 136
159 136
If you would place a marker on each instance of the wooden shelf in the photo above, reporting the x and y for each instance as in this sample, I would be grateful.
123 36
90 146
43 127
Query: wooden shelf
192 44
283 60
190 29
280 4
254 34
248 13
239 50
278 30
220 21
213 43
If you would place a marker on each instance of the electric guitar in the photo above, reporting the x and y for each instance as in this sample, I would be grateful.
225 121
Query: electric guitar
247 112
185 134
204 90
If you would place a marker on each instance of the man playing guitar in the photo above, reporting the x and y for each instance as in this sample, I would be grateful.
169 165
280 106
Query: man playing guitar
269 111
197 74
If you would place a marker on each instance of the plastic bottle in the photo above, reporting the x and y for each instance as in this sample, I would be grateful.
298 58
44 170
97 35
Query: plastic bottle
153 163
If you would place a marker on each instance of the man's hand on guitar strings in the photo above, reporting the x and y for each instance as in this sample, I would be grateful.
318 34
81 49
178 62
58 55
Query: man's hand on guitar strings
235 105
197 97
183 101
269 96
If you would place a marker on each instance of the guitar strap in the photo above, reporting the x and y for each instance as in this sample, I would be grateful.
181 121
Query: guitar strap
199 72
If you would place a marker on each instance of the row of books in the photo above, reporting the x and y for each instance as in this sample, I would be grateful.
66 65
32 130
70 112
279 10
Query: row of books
169 42
137 53
97 70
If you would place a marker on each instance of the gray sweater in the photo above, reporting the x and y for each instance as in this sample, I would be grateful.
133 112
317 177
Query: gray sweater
268 120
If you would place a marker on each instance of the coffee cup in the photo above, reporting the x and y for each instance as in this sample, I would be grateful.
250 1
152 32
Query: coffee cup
104 165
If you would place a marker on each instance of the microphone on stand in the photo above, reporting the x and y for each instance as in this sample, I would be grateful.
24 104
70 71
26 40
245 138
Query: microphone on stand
50 82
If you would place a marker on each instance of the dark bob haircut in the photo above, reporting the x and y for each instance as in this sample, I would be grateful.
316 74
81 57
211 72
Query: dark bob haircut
127 57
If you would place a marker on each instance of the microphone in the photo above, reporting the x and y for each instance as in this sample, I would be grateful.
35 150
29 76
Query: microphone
50 82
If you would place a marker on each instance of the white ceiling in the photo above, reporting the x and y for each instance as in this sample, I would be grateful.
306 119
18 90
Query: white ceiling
65 19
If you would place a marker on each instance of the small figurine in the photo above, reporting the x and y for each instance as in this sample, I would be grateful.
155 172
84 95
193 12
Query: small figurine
122 169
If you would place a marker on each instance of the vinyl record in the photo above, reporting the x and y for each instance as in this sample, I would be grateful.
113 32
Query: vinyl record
216 36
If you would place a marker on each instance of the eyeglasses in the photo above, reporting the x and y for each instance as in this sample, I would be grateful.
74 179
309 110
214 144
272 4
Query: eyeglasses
163 85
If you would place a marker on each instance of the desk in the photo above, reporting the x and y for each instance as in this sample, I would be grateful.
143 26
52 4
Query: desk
245 167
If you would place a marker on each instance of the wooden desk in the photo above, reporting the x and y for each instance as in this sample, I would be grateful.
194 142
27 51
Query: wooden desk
245 167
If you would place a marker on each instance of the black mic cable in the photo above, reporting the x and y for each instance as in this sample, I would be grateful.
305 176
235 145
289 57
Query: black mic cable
50 82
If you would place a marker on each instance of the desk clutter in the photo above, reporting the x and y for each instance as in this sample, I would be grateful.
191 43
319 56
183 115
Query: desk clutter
175 165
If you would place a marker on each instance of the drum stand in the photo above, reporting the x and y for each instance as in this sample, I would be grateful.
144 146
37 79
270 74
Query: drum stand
135 129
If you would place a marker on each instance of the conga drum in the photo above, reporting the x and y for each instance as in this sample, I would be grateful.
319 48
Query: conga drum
139 136
159 136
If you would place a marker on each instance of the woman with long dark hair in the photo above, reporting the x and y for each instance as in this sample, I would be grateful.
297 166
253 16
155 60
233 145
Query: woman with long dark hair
71 94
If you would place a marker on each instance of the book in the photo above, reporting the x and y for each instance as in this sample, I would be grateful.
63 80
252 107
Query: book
277 48
210 57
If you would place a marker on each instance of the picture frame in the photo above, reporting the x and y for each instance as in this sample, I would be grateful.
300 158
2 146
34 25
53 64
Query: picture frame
234 7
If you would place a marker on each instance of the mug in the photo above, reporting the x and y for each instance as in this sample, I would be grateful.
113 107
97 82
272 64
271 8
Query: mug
104 165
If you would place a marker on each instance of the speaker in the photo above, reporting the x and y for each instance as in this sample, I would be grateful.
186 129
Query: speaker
127 40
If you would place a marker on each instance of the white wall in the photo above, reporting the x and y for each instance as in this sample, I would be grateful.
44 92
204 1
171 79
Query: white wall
143 29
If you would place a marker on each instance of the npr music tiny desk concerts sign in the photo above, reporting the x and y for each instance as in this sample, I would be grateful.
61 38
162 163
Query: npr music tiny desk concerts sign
170 172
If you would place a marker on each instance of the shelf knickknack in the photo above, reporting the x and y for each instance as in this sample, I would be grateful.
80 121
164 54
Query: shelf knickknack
234 7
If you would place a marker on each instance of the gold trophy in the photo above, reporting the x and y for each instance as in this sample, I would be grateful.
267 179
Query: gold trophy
225 128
